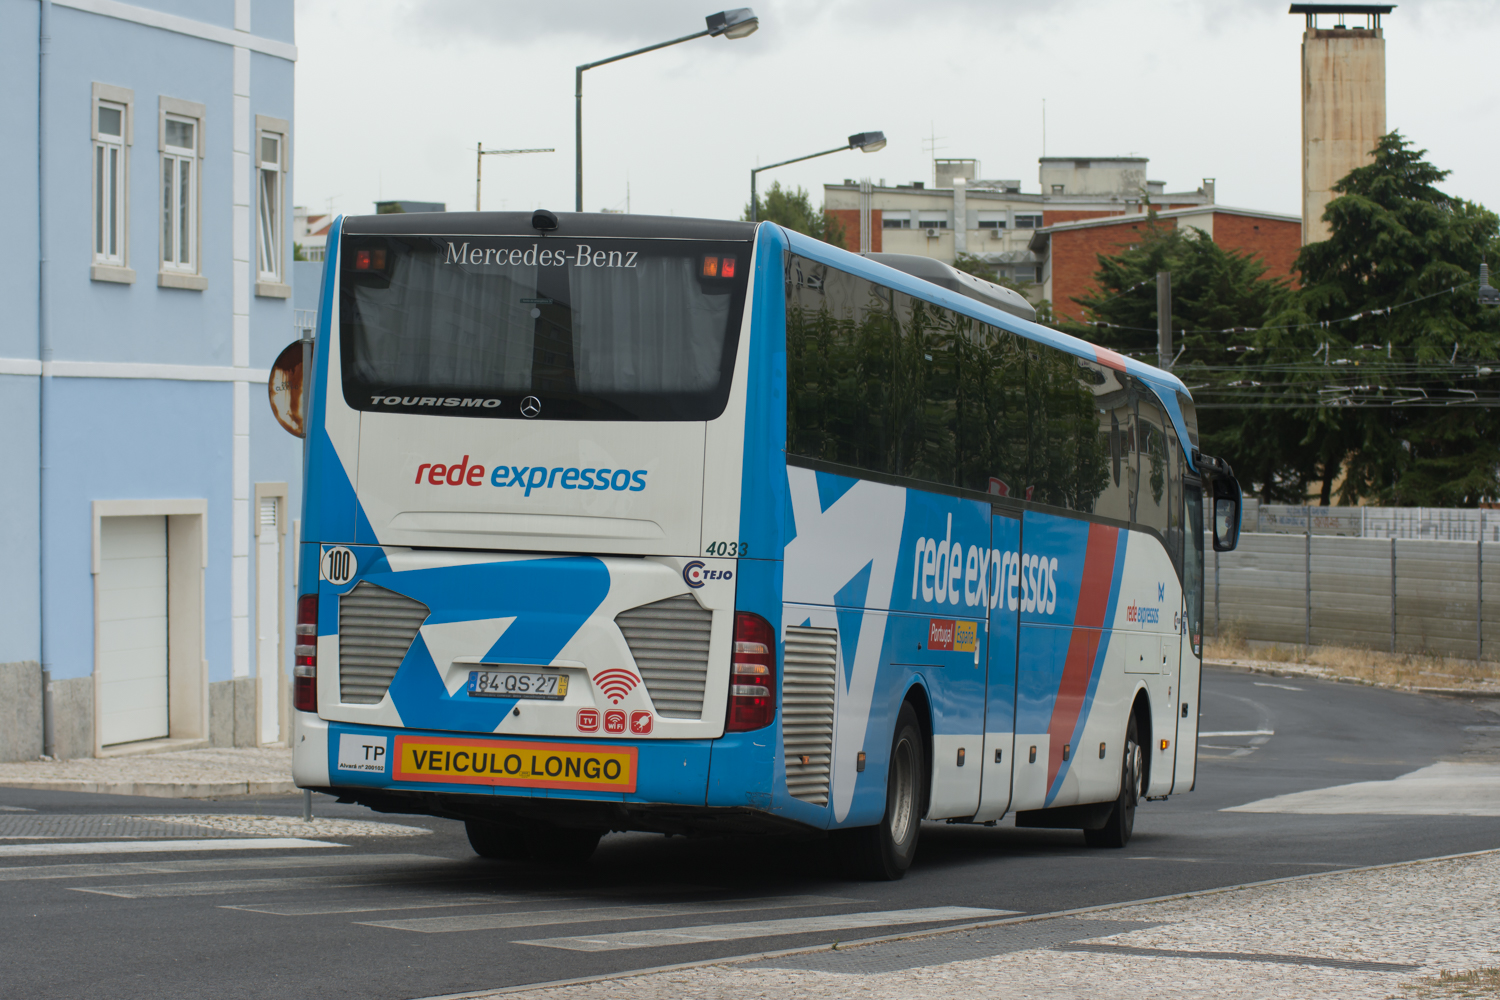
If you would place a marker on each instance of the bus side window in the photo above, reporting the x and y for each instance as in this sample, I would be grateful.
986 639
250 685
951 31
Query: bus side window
1154 499
1112 408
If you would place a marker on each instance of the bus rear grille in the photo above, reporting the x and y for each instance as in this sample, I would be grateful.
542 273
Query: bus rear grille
669 641
376 628
807 692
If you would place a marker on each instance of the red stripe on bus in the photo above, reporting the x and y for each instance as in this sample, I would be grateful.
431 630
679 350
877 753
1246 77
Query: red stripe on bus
1109 359
1088 624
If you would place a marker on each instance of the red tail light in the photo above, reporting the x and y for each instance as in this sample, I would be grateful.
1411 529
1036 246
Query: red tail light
305 662
752 680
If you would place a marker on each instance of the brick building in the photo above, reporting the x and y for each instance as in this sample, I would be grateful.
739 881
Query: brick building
1069 251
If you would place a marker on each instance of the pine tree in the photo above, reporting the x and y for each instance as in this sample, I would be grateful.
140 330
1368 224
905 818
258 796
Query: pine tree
1395 241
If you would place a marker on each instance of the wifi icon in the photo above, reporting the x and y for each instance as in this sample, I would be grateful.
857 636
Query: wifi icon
615 683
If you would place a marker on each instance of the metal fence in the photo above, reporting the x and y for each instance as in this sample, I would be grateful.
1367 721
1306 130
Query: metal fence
1406 595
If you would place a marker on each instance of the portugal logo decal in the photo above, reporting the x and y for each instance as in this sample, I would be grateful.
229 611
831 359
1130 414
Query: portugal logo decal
692 574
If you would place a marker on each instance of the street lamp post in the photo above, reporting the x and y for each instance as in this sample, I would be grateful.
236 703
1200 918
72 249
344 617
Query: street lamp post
865 142
736 23
479 163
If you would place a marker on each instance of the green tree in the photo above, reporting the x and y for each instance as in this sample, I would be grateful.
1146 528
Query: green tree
1213 289
1396 241
793 209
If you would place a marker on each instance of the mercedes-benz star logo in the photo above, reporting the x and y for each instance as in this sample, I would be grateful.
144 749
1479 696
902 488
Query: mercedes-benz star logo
531 406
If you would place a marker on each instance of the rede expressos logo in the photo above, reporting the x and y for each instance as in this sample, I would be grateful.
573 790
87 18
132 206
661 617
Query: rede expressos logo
531 477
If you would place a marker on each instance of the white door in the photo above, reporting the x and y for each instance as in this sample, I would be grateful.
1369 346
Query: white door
268 617
132 589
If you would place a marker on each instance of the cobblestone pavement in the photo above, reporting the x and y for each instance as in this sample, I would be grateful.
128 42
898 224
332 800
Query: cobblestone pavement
180 774
1363 934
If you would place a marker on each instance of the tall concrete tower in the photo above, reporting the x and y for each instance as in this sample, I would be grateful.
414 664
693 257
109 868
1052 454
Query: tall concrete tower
1343 100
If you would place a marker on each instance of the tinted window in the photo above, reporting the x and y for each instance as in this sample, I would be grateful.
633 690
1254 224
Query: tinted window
601 329
1154 500
891 384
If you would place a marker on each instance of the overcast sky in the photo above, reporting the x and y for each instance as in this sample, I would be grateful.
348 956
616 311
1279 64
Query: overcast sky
392 97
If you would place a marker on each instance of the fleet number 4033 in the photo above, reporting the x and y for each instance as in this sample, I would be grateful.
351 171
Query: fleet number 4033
727 549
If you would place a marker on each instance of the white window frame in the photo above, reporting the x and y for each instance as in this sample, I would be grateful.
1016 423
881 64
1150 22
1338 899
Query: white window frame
109 186
181 210
270 207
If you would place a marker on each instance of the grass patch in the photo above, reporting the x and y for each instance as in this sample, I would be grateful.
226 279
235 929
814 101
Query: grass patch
1484 982
1374 665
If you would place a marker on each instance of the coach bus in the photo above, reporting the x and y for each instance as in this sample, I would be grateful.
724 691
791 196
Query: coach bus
690 526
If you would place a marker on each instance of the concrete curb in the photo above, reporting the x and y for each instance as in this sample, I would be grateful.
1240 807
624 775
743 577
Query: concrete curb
1309 672
158 789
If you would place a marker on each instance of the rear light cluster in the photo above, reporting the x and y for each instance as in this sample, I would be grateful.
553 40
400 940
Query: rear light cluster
752 680
718 267
365 260
305 661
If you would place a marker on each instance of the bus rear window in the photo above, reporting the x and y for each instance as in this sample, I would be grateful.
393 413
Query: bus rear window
574 329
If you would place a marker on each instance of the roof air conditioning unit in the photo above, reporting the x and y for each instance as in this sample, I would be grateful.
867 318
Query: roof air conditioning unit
932 232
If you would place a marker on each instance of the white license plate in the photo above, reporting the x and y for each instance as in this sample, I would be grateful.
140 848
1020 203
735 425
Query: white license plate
518 684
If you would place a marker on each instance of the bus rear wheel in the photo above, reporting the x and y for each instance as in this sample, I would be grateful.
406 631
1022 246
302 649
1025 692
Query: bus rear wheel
1121 823
882 853
495 840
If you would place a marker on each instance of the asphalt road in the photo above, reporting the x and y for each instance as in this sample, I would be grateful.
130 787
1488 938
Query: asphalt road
421 916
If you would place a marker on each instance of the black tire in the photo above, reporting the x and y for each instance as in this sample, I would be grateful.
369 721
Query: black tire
558 848
1121 823
494 840
882 853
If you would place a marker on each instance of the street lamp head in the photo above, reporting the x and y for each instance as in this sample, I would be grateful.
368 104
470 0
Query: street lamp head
867 142
737 23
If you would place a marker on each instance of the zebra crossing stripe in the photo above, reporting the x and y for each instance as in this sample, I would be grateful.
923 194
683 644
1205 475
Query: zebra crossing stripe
764 928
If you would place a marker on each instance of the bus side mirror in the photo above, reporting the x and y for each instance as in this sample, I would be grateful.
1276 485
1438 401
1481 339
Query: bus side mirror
1227 510
285 387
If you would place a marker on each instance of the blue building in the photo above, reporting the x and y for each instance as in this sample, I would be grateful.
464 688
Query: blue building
147 529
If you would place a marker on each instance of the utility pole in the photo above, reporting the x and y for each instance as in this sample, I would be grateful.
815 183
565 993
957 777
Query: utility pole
1164 319
481 153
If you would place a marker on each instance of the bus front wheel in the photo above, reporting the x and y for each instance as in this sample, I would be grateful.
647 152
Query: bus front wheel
1121 823
882 853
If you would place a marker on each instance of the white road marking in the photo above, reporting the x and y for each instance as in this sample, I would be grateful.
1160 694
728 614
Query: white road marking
189 865
1284 687
1229 861
765 928
590 914
16 809
288 883
1242 732
1443 789
369 906
162 846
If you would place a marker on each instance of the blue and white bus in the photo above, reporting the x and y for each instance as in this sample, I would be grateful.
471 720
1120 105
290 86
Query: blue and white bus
692 526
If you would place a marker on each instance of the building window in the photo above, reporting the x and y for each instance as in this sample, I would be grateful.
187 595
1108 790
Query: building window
272 161
991 223
111 124
1057 189
933 224
888 223
179 194
1027 221
268 173
109 183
